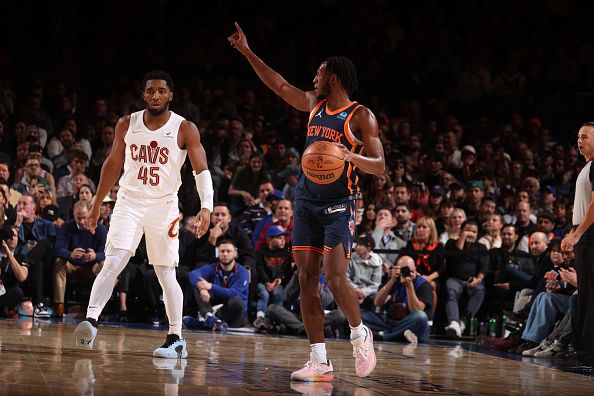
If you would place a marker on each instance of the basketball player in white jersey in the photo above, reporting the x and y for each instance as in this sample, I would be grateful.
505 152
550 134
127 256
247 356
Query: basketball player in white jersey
152 145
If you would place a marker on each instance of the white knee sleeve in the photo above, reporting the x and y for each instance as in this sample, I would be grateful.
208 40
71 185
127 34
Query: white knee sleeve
173 297
103 286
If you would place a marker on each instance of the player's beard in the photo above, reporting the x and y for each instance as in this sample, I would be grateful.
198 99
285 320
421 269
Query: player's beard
156 112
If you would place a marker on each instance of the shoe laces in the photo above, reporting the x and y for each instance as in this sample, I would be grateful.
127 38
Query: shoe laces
170 340
361 351
313 365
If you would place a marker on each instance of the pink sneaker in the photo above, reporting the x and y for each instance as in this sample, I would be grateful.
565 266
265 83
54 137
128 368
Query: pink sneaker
364 354
314 371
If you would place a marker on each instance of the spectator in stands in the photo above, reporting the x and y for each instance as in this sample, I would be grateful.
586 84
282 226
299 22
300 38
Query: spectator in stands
77 163
245 183
34 180
506 262
558 340
286 315
14 271
408 299
466 265
385 238
59 146
436 197
12 195
203 251
273 271
65 203
562 225
379 183
364 271
492 238
36 239
260 209
101 153
85 194
223 282
544 260
474 197
283 217
7 212
368 221
523 223
453 226
289 174
404 228
545 310
545 223
428 254
79 253
446 207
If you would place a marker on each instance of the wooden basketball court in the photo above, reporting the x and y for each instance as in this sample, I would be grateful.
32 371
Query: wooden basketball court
38 358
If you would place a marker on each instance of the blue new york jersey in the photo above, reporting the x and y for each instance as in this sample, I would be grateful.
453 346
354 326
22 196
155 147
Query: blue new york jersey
332 126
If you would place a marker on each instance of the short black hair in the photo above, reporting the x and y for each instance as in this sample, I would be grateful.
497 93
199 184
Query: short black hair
226 240
345 70
469 223
158 75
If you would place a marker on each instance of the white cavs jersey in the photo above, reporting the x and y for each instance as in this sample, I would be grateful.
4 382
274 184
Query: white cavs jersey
153 158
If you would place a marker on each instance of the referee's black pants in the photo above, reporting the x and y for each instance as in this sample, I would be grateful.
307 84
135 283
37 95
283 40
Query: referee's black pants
584 320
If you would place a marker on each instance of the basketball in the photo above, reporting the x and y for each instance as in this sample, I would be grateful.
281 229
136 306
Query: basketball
322 162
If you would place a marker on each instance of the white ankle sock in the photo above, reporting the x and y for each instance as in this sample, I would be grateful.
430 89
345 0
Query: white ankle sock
260 314
319 350
358 331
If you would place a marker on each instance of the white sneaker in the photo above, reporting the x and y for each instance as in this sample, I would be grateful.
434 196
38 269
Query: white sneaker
462 327
453 330
553 349
544 344
173 348
411 337
84 335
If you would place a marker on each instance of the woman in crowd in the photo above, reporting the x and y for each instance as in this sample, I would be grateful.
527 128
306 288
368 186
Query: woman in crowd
427 252
453 226
492 239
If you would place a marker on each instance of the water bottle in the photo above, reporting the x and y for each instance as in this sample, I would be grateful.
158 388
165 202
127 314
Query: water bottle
474 326
492 327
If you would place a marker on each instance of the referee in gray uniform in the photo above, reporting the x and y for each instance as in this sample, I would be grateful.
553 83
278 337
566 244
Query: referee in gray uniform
581 239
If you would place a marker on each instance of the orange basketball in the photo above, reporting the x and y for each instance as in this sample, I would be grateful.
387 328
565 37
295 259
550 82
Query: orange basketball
322 162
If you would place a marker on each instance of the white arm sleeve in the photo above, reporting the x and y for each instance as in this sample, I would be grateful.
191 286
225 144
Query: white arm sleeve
204 187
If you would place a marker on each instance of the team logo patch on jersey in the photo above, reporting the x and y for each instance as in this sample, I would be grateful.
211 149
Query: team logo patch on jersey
319 113
168 134
173 228
342 116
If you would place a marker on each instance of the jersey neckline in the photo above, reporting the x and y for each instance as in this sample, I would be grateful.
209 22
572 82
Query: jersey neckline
161 127
337 110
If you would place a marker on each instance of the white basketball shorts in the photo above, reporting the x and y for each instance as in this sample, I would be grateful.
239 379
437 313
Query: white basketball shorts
158 218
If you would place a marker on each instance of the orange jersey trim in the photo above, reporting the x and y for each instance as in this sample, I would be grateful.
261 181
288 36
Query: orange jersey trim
349 171
338 110
315 109
346 126
311 248
329 249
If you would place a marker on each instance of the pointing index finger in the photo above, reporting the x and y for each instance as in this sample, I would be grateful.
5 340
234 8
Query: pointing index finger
238 28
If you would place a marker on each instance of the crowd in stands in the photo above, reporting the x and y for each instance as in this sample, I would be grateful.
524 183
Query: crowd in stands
465 222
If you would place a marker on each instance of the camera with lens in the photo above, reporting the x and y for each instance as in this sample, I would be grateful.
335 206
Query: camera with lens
405 272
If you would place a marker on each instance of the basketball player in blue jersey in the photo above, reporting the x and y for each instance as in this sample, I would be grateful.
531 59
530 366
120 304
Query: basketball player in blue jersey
152 146
324 214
